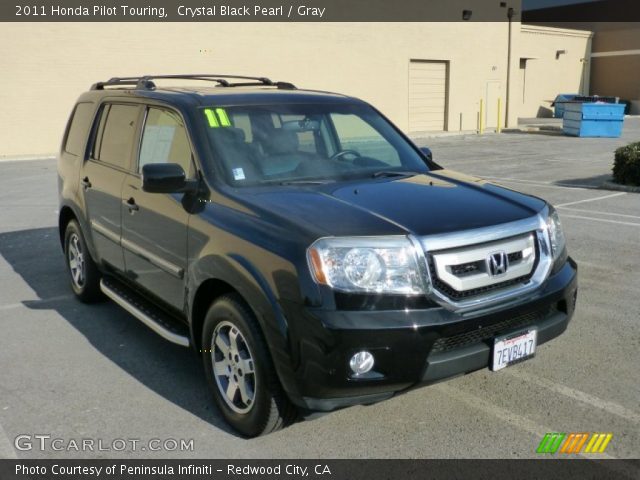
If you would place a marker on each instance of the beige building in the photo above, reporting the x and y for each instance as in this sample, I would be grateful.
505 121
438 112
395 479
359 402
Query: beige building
614 62
424 76
550 61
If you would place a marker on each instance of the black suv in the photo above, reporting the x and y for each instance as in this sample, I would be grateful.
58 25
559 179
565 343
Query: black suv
309 252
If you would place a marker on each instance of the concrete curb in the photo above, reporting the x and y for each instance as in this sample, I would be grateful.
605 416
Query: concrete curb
20 158
427 135
540 130
610 185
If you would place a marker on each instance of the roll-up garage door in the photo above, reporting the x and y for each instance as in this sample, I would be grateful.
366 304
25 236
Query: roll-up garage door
427 95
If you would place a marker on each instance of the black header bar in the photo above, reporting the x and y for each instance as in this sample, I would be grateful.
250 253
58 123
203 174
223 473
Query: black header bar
309 11
548 469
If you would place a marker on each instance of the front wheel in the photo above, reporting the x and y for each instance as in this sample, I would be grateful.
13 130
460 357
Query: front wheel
240 372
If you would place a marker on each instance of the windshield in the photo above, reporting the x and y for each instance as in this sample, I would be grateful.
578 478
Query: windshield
298 143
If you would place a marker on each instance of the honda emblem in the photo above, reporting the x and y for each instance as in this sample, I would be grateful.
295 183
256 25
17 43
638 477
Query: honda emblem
497 263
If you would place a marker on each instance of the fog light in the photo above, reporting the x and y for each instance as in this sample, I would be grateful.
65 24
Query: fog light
361 362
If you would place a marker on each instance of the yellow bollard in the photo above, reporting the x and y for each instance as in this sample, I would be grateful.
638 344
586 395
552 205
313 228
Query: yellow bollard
481 122
499 127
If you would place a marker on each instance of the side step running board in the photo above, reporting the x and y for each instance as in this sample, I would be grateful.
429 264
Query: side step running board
144 311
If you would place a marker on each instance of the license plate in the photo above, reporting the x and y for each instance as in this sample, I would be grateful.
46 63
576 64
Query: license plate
513 348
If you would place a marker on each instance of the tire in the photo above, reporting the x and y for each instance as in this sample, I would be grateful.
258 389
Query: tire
83 272
234 348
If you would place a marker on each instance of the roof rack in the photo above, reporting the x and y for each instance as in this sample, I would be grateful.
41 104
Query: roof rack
146 82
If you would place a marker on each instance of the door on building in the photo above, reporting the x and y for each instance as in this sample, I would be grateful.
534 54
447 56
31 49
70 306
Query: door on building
493 93
428 95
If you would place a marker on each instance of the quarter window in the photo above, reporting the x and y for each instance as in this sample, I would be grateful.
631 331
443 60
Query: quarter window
78 128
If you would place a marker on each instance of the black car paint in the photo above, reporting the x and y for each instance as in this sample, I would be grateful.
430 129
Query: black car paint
254 240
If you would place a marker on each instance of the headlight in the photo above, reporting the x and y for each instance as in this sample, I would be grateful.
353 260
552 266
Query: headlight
367 265
556 235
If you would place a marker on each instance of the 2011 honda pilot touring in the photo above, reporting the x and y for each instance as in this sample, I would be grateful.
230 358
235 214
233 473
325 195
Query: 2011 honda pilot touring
309 252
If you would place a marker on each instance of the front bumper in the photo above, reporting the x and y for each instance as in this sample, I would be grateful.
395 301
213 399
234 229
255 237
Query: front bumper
412 347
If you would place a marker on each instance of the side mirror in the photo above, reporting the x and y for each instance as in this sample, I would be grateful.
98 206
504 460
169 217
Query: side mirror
164 178
426 151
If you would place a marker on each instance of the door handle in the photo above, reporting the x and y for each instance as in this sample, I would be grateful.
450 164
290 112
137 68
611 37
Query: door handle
86 184
131 205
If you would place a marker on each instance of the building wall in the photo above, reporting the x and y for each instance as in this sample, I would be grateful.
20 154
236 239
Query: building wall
623 83
615 62
44 72
50 68
611 37
544 72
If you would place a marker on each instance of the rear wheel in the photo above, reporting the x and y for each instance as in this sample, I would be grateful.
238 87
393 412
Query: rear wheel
83 272
240 372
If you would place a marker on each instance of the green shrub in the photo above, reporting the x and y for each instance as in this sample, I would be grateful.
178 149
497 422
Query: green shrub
626 166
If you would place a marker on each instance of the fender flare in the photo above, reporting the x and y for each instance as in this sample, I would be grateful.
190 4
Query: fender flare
239 273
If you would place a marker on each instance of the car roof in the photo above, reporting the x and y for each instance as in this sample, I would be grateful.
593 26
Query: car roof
225 96
252 95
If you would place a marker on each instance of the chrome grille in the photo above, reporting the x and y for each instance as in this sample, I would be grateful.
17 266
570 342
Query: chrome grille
466 268
465 272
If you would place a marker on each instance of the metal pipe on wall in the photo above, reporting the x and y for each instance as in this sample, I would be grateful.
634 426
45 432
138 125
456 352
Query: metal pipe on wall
510 13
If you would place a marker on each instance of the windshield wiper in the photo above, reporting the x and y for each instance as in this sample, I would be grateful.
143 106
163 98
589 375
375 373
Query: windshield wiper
393 173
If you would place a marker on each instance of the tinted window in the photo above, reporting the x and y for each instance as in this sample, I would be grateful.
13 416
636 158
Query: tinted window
357 135
78 129
260 144
306 138
241 120
97 140
164 140
118 135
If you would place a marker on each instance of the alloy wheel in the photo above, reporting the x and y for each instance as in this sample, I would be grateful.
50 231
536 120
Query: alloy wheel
233 367
76 261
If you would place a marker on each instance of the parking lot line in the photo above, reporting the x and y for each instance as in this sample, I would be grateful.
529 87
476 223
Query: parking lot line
542 183
606 405
503 414
595 199
604 220
601 213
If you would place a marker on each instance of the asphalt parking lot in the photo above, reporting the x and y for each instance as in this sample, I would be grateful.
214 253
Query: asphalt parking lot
74 371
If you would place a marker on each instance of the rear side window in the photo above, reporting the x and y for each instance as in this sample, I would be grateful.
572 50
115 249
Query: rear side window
118 134
78 128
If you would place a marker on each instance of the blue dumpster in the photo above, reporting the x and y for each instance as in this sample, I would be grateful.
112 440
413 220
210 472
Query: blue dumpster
593 119
559 103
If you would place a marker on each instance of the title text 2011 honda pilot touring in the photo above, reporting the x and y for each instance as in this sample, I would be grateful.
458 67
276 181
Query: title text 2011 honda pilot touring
301 244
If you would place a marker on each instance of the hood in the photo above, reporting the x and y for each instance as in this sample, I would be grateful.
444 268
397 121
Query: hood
438 202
